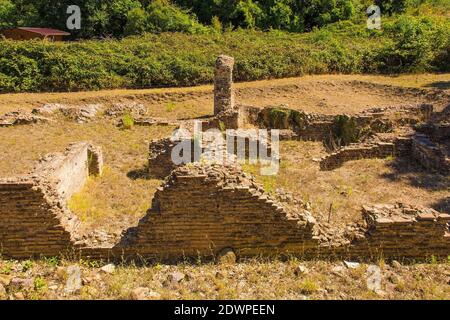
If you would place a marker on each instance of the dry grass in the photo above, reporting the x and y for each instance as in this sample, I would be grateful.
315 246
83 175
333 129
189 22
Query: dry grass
318 93
356 183
252 279
110 202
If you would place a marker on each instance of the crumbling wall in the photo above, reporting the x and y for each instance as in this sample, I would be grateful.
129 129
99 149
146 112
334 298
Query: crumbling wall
202 209
33 208
319 127
404 231
355 152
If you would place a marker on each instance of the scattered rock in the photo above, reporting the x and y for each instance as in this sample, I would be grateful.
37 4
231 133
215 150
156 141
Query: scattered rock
351 265
19 117
227 256
73 283
300 270
49 108
396 264
17 284
2 292
80 114
109 268
140 293
153 295
338 270
19 296
120 109
174 279
373 279
5 279
394 279
61 273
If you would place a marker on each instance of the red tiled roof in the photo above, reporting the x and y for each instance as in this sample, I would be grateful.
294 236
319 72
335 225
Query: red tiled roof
45 31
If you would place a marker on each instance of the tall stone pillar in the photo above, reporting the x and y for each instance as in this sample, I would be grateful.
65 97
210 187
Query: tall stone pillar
223 84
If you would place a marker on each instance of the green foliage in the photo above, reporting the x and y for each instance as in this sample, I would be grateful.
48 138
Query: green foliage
343 132
298 118
127 121
407 43
162 16
7 9
279 118
27 265
116 18
40 284
419 44
51 261
170 106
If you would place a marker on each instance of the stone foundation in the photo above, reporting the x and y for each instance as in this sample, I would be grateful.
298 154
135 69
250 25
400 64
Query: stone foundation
355 152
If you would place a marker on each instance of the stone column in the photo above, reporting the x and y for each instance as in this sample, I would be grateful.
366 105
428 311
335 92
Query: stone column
223 84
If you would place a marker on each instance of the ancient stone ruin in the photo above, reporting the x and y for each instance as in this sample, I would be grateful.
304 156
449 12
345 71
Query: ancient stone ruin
33 207
203 208
223 85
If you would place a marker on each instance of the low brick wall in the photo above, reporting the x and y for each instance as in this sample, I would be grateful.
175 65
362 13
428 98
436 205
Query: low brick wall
355 152
317 127
33 208
30 224
201 210
402 231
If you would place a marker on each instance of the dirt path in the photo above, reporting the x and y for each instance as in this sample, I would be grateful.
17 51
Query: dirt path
320 93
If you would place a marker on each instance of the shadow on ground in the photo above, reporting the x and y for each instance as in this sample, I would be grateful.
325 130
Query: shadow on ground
442 205
139 174
439 85
407 169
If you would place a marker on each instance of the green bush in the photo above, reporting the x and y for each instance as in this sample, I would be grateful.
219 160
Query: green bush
419 44
406 44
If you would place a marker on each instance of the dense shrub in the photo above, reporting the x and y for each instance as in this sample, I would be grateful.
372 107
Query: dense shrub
419 44
409 43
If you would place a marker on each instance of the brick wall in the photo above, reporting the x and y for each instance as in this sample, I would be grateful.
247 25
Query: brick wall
33 208
402 231
203 209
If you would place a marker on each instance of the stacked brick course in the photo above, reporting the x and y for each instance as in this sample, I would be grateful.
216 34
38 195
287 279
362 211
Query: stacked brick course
403 231
33 208
202 209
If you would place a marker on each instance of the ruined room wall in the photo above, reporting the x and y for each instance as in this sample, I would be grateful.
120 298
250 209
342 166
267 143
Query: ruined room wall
33 208
402 231
67 172
355 152
317 127
201 210
31 225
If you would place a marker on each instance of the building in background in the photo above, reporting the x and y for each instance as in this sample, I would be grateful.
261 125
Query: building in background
26 33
